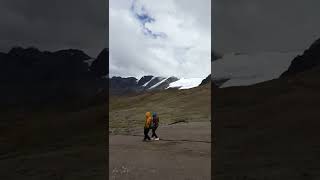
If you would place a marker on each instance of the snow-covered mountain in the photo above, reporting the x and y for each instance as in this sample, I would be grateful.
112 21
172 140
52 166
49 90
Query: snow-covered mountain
186 83
240 69
120 85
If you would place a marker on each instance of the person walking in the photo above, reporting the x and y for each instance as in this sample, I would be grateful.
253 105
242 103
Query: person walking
155 124
147 125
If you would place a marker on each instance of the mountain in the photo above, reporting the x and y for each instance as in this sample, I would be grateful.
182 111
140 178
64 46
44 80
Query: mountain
144 80
164 83
206 80
271 123
120 86
308 60
217 82
128 85
131 85
52 102
30 63
153 82
33 77
99 66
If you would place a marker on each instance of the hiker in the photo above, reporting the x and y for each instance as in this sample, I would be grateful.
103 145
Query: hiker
154 126
147 125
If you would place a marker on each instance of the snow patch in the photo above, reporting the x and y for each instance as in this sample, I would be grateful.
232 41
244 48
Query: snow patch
186 83
163 80
145 84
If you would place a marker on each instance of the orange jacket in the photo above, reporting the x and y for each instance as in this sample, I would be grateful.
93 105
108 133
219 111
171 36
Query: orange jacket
148 120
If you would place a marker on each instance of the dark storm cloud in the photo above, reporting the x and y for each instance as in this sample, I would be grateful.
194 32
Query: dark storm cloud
53 25
264 25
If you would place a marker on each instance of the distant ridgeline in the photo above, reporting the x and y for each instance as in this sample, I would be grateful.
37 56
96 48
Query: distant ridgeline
131 85
33 78
30 77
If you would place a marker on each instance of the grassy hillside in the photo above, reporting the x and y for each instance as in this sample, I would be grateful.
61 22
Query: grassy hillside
172 105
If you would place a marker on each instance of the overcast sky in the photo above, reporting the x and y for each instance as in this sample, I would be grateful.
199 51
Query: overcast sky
161 38
181 29
265 25
54 25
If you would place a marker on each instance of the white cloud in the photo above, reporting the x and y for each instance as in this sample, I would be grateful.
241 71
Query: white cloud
183 44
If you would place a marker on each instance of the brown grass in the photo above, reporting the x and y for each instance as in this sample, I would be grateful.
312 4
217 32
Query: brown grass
172 105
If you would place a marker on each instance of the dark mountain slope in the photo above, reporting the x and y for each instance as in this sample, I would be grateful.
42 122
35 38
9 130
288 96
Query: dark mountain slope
131 85
206 80
100 66
273 125
31 77
308 60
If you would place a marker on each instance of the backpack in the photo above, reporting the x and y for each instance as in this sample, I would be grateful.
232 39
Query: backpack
155 121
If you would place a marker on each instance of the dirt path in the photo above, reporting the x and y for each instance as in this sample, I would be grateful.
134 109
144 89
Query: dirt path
184 152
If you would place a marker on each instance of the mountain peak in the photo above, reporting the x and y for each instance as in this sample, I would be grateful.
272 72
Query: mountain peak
75 53
308 60
100 65
20 51
120 86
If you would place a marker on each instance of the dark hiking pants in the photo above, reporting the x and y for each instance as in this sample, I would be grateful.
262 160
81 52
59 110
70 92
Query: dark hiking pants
154 132
146 136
